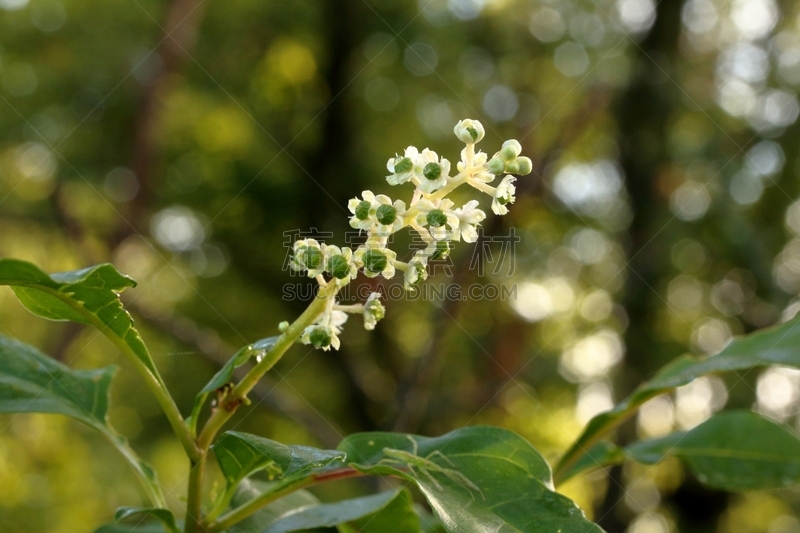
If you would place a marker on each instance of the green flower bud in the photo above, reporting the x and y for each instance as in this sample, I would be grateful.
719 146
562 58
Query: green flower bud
512 167
362 210
375 260
496 165
432 171
339 267
436 218
320 338
511 149
312 257
283 326
525 166
386 214
402 164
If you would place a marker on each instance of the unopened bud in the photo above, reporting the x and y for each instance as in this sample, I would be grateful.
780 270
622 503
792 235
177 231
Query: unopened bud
511 149
525 165
496 165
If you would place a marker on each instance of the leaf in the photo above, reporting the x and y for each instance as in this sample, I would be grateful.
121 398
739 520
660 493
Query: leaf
600 455
31 382
256 523
241 454
379 513
225 374
734 450
126 528
398 516
428 522
778 345
162 515
89 296
475 479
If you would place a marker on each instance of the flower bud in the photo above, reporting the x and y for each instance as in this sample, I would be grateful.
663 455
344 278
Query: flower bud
320 338
432 171
374 261
496 165
525 165
386 214
469 131
511 149
339 266
436 218
362 210
512 167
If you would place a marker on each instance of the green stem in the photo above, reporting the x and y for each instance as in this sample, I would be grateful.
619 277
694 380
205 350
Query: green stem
279 491
165 400
151 376
228 406
224 411
194 502
221 505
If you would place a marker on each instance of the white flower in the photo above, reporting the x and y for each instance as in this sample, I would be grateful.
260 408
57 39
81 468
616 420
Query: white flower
504 195
336 320
402 166
436 250
319 336
469 131
373 311
478 161
308 255
325 332
363 211
340 263
376 261
417 271
437 215
469 218
388 216
431 171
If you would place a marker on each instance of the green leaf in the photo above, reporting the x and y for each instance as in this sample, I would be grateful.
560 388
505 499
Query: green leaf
162 515
734 450
127 528
31 382
428 522
225 374
247 490
89 296
776 345
475 479
379 513
240 455
398 516
257 349
602 454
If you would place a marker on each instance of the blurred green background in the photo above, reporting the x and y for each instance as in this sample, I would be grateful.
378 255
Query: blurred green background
181 140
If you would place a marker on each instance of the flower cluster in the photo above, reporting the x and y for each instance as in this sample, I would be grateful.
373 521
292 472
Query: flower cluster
430 213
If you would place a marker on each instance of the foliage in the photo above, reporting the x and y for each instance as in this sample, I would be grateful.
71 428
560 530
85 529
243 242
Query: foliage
663 224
